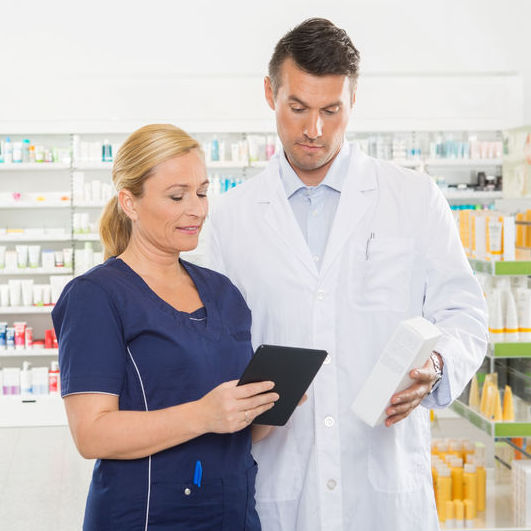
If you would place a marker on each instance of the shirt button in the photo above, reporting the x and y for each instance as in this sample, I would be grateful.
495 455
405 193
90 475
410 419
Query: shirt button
315 213
187 492
316 259
328 359
321 294
329 422
331 484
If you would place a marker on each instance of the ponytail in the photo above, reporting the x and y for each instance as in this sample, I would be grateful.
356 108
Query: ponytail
115 229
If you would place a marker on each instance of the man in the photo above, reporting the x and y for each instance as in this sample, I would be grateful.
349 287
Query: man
333 249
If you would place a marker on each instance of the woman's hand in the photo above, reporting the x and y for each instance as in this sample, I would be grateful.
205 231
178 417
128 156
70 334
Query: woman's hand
229 408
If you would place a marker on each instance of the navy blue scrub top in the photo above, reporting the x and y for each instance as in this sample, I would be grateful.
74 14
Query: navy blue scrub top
117 336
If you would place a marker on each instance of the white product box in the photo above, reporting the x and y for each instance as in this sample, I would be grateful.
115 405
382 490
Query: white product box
409 347
522 492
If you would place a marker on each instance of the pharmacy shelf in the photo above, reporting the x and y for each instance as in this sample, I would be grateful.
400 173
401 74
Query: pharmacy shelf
92 166
29 353
39 410
517 267
36 271
10 310
509 350
221 164
92 237
34 204
89 204
406 163
472 195
34 166
6 238
492 428
499 515
464 163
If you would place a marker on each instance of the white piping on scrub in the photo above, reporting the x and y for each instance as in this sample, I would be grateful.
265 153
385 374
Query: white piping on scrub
149 458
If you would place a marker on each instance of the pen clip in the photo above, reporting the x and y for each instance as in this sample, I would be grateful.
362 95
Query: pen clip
371 237
198 473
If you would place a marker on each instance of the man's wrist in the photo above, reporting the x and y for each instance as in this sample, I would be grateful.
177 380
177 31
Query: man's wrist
438 365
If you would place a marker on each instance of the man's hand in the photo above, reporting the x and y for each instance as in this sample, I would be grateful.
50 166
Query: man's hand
403 403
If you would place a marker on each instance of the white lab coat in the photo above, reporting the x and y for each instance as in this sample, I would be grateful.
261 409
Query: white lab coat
327 470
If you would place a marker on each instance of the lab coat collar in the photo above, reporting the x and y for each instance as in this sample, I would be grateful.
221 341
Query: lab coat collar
359 193
334 178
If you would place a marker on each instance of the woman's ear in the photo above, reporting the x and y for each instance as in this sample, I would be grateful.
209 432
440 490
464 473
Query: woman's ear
128 203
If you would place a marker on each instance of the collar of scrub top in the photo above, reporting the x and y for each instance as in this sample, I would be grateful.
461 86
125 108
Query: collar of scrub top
334 179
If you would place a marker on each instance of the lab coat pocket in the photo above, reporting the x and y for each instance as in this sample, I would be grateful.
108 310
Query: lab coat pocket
186 506
380 274
396 457
279 466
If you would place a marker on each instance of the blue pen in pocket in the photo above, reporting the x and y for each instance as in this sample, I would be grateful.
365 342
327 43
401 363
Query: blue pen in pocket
198 473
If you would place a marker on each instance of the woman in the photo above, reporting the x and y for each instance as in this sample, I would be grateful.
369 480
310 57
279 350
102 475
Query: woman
150 350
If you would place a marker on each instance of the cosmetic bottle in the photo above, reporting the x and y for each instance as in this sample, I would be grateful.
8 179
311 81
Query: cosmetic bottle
508 404
444 491
25 379
459 513
214 150
53 377
8 151
473 396
470 484
470 513
106 151
17 152
456 472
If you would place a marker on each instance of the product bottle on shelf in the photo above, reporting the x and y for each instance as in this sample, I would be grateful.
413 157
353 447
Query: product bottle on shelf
54 381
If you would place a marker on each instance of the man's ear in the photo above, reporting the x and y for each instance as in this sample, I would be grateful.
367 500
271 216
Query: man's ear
269 95
128 204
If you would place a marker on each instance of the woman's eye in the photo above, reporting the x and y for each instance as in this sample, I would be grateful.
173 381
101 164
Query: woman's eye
176 198
202 194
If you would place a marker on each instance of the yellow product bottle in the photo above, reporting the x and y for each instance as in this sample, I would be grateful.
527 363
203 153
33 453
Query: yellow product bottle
470 484
484 395
473 396
470 512
444 491
520 230
442 449
482 486
456 472
508 404
498 413
528 232
434 476
450 514
459 513
455 448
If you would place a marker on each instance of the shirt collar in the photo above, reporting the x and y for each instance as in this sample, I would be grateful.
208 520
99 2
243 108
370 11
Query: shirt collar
335 177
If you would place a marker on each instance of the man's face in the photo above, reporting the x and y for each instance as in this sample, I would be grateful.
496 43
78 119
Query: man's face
312 113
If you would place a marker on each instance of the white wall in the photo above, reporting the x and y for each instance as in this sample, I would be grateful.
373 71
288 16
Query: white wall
53 52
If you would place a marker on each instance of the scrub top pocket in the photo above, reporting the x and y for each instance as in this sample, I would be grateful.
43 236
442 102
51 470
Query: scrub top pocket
380 274
184 506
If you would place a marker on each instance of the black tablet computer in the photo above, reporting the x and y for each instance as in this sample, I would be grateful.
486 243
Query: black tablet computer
291 368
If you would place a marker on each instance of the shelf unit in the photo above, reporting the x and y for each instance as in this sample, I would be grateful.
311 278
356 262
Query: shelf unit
30 353
27 310
36 271
39 410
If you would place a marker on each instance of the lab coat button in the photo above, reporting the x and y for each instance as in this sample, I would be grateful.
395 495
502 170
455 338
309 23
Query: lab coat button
316 259
329 422
187 492
321 294
331 484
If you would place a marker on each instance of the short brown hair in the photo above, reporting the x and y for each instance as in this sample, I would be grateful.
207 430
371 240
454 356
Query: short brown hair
317 47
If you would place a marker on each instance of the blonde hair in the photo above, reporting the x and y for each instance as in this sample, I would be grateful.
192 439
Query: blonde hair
133 165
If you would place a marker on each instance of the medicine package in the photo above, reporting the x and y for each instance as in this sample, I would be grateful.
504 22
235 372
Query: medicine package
409 347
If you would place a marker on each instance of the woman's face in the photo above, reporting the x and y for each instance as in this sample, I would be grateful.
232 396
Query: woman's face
170 214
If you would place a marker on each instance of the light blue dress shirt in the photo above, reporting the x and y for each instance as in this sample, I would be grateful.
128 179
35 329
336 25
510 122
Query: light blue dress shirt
315 207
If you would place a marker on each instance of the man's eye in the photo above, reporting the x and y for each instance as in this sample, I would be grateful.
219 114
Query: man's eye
297 109
331 111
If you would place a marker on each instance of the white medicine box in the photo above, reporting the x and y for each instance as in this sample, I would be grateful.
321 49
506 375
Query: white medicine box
409 347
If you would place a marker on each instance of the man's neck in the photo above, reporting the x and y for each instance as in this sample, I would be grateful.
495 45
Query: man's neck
316 176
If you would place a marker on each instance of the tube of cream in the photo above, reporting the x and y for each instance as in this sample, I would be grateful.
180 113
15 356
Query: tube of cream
495 230
34 254
22 256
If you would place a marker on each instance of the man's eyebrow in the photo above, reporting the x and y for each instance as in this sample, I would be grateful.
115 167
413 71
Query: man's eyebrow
299 101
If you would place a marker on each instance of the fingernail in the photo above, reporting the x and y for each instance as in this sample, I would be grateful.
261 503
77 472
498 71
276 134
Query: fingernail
396 400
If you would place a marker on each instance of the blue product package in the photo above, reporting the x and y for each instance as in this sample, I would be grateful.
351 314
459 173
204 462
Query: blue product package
10 337
3 335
